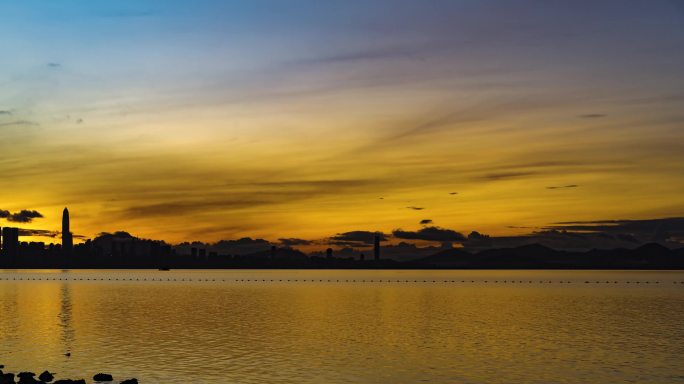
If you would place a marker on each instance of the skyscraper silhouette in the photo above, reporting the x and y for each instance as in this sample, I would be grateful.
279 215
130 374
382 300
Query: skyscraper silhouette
67 239
10 244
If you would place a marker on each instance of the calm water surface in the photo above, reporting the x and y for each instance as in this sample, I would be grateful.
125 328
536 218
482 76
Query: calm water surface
332 327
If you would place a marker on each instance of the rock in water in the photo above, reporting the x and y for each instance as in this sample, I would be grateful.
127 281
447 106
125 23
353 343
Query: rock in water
27 378
130 381
46 377
103 377
7 378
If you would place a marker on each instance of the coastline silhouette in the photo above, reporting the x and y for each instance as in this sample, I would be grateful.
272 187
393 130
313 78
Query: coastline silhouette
122 250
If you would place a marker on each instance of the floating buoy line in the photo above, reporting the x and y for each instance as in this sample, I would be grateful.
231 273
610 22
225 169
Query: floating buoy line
291 280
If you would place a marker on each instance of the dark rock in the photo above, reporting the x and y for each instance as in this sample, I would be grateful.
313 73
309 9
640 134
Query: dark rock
27 378
46 376
64 381
103 377
130 381
79 381
7 378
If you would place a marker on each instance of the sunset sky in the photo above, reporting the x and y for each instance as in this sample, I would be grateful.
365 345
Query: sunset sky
208 120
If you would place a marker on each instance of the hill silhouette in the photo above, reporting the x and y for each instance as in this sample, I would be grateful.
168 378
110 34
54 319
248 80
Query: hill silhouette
533 256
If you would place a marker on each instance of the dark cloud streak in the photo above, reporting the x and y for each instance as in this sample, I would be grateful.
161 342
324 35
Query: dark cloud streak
356 238
23 216
18 122
430 234
563 186
289 242
38 232
508 175
592 116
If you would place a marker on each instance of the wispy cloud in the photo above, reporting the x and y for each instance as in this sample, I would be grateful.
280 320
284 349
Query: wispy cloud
508 175
18 123
592 116
664 229
278 124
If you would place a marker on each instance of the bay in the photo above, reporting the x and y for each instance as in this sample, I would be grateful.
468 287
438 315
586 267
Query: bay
345 326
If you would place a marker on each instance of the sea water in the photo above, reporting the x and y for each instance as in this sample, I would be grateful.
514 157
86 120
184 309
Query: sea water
336 326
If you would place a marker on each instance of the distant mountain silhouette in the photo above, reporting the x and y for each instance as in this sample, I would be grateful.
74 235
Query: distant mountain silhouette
453 258
122 250
535 256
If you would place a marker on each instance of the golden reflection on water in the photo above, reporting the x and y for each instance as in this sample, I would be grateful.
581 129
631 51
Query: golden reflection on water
320 332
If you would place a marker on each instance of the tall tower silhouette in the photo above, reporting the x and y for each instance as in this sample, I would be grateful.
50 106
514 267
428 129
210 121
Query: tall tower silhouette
67 239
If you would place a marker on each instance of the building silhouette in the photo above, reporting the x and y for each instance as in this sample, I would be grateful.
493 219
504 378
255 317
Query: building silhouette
10 243
328 253
376 247
67 237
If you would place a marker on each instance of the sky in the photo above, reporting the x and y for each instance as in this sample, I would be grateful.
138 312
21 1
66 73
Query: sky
209 120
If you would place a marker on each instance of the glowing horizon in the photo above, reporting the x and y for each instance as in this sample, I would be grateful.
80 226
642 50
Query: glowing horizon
181 121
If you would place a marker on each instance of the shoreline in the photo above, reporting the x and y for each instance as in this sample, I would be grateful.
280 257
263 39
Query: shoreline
48 377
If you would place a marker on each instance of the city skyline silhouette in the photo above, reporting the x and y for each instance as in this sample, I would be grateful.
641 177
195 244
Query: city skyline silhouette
643 245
